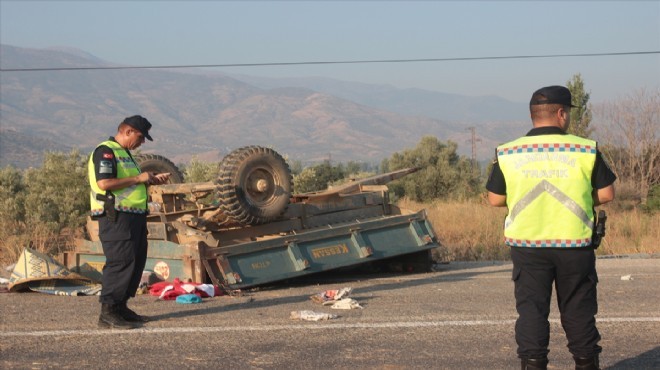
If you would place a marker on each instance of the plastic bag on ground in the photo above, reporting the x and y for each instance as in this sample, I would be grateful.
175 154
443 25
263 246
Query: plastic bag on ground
311 315
346 304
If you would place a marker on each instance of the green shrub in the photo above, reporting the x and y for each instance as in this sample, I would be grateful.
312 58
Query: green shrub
197 171
652 200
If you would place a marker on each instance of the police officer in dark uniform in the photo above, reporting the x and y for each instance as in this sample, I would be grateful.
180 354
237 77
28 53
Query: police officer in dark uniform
118 200
551 181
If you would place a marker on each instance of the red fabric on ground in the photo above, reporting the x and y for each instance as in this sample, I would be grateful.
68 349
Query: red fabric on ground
176 290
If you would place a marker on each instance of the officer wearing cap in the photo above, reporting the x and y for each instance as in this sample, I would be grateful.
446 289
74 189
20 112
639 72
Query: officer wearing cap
550 181
118 200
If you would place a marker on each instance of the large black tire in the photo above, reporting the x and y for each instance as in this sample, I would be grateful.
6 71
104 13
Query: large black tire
254 185
159 164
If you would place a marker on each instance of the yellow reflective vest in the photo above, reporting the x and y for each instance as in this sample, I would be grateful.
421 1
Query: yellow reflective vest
132 199
548 190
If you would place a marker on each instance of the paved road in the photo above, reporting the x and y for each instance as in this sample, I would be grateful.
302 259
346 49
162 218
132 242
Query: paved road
459 317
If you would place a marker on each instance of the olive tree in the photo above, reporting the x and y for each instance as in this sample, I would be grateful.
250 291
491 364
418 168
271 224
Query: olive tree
318 177
197 171
57 193
38 205
442 172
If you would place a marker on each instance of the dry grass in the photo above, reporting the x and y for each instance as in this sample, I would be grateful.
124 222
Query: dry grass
14 240
631 231
473 230
468 231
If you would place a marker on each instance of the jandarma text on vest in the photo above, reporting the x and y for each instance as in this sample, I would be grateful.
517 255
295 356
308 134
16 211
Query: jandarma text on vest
544 157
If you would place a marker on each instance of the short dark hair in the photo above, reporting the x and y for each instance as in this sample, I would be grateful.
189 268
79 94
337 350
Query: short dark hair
544 110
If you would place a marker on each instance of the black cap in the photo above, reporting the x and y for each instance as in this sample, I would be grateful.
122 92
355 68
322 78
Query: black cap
552 95
141 124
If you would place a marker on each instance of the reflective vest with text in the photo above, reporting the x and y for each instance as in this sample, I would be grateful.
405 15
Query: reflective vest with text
131 199
548 190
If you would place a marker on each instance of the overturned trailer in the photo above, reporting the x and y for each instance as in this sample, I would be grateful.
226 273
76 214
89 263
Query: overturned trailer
248 229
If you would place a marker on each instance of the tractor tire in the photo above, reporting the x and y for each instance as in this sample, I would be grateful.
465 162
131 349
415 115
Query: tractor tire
254 185
159 164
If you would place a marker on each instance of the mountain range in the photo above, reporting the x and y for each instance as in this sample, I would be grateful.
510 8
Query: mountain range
206 114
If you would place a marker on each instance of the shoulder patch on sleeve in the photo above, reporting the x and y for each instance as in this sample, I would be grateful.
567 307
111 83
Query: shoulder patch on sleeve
105 166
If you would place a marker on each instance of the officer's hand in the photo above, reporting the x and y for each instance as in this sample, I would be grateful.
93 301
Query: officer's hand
160 178
144 178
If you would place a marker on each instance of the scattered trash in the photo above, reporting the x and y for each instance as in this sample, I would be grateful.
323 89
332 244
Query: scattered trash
209 289
4 281
40 272
346 304
626 277
311 315
171 290
330 296
188 299
337 299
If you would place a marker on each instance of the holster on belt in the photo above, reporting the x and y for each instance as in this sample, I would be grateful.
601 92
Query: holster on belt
108 205
599 230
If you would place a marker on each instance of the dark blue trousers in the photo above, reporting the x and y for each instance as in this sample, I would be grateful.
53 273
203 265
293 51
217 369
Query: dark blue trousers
125 248
573 271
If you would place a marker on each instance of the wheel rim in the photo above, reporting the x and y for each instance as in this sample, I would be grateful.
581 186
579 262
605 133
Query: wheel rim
260 186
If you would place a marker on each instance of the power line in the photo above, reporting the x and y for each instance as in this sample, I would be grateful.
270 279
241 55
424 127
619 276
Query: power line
329 62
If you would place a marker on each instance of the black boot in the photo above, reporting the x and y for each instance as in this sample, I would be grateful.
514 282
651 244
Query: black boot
109 318
586 363
534 364
130 315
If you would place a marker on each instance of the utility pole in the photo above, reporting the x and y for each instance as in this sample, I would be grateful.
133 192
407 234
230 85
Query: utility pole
473 140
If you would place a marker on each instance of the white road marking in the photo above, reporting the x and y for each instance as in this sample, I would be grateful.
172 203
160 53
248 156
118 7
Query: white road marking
308 326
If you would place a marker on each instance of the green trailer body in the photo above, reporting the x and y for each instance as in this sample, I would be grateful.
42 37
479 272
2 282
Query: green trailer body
259 262
318 250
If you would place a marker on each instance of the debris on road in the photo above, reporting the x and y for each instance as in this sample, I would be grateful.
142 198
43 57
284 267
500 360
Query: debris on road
40 272
337 299
346 304
307 315
331 296
188 299
626 277
166 290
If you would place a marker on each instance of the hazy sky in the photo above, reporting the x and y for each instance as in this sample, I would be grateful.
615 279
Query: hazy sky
223 32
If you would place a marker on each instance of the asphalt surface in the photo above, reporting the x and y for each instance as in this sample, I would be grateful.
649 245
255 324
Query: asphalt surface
459 317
